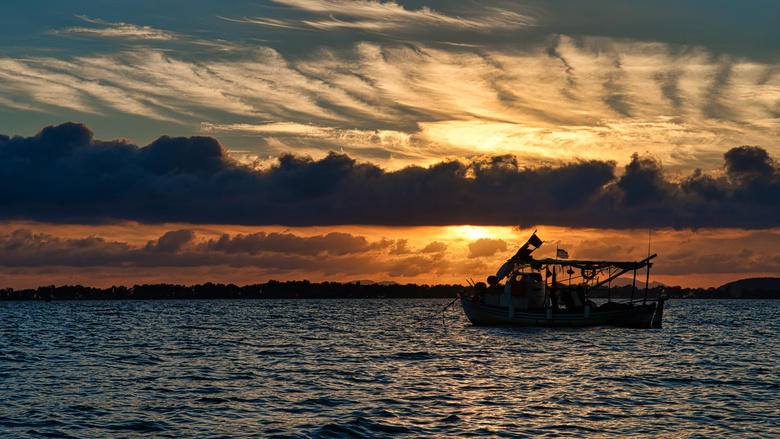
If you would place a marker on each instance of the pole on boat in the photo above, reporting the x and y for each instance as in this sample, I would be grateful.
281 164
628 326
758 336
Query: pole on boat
633 286
647 281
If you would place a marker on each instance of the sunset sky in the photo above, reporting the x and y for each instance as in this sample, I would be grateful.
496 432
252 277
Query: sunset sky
410 141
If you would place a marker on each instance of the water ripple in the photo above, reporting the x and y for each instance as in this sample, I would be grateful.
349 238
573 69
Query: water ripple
379 368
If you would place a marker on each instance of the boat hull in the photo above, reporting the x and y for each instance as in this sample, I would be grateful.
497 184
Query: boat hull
649 315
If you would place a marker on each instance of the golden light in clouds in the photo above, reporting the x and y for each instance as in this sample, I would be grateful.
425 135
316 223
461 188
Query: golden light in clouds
395 86
581 98
118 254
617 141
473 233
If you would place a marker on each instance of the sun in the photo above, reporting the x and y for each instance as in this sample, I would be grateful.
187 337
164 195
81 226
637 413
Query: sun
473 233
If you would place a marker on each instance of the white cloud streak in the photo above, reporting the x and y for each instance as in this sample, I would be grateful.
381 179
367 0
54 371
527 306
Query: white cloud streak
597 98
118 30
383 16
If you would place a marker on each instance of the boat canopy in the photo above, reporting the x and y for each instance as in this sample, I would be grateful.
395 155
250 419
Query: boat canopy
589 269
585 264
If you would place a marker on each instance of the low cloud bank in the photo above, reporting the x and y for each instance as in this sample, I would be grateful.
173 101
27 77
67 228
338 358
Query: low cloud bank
62 174
260 255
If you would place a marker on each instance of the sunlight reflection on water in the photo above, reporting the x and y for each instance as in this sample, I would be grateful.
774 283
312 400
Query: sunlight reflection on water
369 368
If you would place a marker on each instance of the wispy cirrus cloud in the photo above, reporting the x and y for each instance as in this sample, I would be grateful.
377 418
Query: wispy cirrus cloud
48 83
386 16
119 30
311 139
595 97
144 36
288 128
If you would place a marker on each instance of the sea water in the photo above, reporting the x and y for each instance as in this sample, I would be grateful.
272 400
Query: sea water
380 368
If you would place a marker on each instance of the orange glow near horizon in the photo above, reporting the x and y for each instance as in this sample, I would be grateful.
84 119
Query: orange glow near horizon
423 255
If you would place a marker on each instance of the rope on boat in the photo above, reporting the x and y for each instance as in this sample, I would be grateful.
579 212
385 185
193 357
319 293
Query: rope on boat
440 312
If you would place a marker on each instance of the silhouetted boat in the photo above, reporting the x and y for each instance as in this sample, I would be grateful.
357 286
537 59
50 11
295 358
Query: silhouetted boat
532 296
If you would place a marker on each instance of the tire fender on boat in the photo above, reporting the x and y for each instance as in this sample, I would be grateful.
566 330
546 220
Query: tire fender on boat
588 273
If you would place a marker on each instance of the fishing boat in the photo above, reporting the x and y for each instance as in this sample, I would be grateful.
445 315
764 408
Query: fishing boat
531 294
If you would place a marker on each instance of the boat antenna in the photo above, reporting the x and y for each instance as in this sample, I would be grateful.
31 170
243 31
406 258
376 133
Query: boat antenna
647 279
649 235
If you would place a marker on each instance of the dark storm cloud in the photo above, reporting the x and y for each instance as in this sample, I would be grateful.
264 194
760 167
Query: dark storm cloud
748 163
643 182
63 174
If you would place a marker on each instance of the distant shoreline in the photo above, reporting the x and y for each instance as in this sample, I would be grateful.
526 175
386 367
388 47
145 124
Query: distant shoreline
335 290
269 290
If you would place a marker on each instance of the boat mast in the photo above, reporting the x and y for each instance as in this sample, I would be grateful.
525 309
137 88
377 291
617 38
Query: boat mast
647 280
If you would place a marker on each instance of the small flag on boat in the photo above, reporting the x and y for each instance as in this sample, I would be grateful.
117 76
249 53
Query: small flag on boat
563 254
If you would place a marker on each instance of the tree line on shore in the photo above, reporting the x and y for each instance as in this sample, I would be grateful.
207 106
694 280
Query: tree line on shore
335 290
269 290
